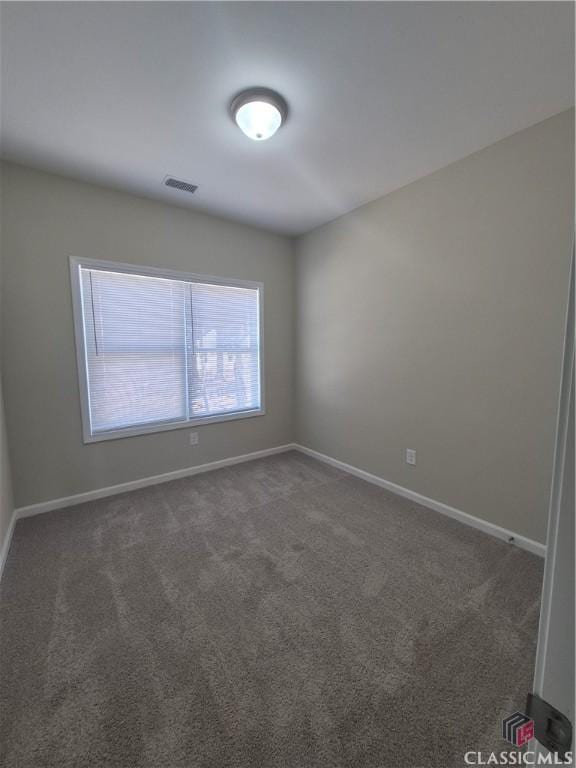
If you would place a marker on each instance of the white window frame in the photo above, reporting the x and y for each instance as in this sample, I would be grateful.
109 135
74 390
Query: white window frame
81 358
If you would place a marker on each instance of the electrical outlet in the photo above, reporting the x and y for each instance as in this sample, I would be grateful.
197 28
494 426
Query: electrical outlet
193 437
410 456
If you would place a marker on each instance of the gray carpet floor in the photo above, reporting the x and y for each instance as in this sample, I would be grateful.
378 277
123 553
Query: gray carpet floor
275 614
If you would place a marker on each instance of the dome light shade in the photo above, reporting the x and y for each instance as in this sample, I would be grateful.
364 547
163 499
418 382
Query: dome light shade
258 120
259 112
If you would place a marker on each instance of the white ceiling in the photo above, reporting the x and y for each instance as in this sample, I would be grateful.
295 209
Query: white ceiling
379 93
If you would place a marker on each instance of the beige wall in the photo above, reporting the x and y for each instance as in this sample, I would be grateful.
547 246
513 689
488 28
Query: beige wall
46 219
433 319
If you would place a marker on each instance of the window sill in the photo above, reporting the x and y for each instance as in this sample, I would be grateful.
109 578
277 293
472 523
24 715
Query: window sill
149 429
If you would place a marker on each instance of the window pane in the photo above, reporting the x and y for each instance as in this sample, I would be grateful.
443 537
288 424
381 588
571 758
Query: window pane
135 348
224 370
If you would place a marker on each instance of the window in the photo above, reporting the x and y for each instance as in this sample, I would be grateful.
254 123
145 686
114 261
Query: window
160 350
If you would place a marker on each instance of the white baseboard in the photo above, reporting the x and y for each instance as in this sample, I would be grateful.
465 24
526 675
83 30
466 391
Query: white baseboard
6 544
113 490
475 522
132 485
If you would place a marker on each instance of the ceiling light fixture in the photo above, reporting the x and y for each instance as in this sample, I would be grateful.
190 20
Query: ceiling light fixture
259 112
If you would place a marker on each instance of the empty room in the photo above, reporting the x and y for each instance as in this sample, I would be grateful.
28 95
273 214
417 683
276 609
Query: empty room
287 384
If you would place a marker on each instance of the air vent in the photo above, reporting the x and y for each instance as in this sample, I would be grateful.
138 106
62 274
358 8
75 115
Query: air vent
183 186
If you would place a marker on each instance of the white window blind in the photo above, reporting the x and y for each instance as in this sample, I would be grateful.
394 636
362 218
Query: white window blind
161 351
